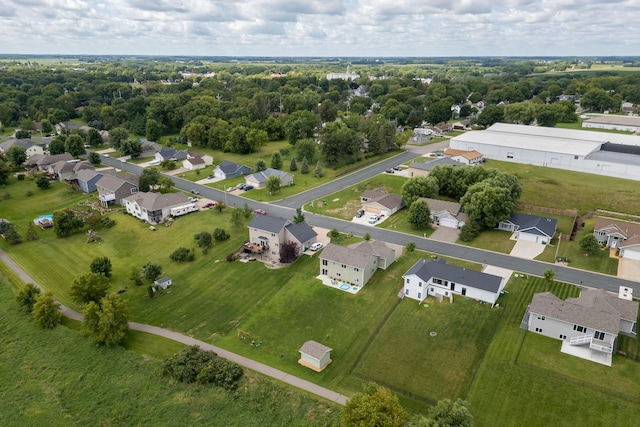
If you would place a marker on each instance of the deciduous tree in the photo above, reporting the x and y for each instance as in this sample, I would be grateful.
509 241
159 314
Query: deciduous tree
589 244
65 222
16 154
204 240
488 204
101 265
288 252
27 296
273 184
89 287
419 214
151 271
421 186
376 406
45 311
106 323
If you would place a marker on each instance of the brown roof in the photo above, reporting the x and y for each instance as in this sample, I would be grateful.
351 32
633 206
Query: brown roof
372 247
610 226
469 155
594 308
374 194
436 205
314 349
389 201
635 240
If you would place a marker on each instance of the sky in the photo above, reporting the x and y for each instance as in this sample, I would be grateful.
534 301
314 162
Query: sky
363 28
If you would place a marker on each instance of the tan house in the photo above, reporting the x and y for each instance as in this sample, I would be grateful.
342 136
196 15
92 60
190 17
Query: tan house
196 161
471 157
267 234
114 188
42 162
380 202
355 264
29 147
444 213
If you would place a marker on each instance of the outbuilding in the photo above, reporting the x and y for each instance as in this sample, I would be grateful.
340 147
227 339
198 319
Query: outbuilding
314 355
163 282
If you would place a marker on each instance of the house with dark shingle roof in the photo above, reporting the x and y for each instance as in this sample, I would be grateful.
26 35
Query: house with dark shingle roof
532 228
259 179
444 213
588 325
170 153
86 179
270 233
314 355
226 170
42 162
441 280
156 207
114 188
356 263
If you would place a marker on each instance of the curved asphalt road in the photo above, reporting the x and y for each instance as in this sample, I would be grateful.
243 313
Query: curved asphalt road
187 340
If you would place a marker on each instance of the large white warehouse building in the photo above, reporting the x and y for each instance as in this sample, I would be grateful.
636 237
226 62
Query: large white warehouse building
601 153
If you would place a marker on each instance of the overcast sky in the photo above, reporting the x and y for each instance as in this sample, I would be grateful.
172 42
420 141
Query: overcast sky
370 28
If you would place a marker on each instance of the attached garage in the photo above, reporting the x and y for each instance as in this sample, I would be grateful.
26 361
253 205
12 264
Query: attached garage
630 252
450 222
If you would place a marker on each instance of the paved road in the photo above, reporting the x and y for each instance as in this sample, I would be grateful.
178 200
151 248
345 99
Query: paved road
184 339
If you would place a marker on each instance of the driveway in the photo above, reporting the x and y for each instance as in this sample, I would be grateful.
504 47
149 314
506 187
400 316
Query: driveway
628 269
445 234
528 250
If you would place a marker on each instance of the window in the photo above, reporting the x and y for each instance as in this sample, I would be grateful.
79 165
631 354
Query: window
407 280
541 318
356 269
579 328
563 337
324 262
464 291
419 284
437 281
575 157
419 295
406 291
539 330
344 266
599 335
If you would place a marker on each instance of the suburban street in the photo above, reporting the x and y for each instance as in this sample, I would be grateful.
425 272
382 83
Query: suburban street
285 209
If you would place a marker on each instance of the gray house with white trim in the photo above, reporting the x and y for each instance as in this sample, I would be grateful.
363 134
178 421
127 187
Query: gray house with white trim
532 228
259 179
356 263
226 170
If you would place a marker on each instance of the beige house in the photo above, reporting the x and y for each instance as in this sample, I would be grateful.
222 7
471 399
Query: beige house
355 264
259 179
471 157
380 202
267 234
196 161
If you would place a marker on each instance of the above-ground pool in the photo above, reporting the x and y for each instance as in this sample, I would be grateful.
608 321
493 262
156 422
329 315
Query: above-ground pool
48 217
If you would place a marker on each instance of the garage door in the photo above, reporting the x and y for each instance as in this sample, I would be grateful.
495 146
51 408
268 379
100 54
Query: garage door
384 212
449 222
372 209
629 254
528 237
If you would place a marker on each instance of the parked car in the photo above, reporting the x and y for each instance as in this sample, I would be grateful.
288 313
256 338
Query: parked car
240 186
316 246
193 199
248 187
194 191
373 219
360 213
397 168
260 211
231 188
211 177
390 171
209 205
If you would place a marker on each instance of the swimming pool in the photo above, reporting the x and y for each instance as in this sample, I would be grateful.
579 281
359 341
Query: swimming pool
345 286
48 217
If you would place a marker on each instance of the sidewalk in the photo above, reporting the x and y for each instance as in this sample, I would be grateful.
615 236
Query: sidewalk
184 339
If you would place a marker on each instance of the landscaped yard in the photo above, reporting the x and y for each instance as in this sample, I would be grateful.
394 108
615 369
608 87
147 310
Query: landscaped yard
492 240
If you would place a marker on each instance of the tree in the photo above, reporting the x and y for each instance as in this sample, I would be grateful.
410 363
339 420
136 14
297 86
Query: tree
367 237
16 154
57 145
288 252
411 246
260 166
204 240
65 222
219 234
165 182
27 296
148 178
597 99
94 138
246 211
4 172
94 158
448 413
490 114
88 287
130 147
257 138
101 265
11 235
153 130
298 217
182 254
74 145
589 244
46 126
45 311
549 275
116 136
381 135
236 219
376 406
193 364
304 169
151 271
520 112
22 134
276 161
32 232
439 111
421 186
317 172
292 165
488 204
273 184
469 230
43 182
306 148
419 214
327 111
106 323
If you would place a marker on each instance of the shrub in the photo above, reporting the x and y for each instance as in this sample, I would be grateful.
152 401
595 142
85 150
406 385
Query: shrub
27 296
20 177
194 364
284 151
220 234
411 246
182 254
42 182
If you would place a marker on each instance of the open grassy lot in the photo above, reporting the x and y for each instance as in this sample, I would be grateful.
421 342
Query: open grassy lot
578 126
493 240
415 364
563 189
507 391
58 378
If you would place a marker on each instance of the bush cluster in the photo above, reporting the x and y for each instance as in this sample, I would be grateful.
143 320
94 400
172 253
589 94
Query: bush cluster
194 364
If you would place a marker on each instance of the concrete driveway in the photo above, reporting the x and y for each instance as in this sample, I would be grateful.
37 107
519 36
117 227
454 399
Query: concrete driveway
445 234
528 250
629 269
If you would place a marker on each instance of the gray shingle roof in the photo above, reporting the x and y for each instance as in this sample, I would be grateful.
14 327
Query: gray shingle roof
268 223
302 232
230 168
314 349
263 175
441 205
594 308
529 223
356 255
389 201
157 201
113 183
86 175
441 161
463 276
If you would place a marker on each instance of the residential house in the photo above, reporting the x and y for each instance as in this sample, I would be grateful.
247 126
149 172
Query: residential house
268 233
29 146
462 125
170 153
197 161
613 232
156 207
259 179
114 188
380 202
471 157
627 107
423 168
86 179
442 128
314 355
630 248
439 279
66 170
446 214
149 148
163 282
356 263
588 325
41 162
226 170
532 228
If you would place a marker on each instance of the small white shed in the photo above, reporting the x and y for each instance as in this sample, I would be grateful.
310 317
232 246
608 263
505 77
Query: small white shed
164 282
314 355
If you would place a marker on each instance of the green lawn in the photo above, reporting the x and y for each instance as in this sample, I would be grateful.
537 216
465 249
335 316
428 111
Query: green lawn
578 126
492 240
58 378
507 390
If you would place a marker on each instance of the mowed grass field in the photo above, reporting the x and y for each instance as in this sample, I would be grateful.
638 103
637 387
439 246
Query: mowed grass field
58 378
525 379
